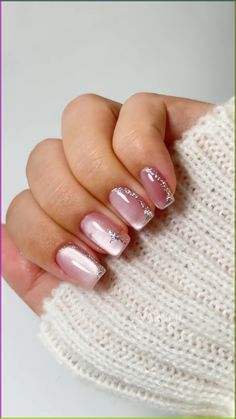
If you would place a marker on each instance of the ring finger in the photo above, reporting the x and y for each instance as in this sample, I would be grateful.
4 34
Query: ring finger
69 204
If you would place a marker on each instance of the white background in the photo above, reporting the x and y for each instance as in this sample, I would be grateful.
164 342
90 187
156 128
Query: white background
53 52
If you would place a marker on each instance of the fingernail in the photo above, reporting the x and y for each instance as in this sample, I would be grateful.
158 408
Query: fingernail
106 234
156 187
79 266
131 207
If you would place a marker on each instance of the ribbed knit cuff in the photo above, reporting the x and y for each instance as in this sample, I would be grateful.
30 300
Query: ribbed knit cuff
159 327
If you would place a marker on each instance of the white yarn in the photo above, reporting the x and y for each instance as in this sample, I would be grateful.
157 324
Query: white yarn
159 327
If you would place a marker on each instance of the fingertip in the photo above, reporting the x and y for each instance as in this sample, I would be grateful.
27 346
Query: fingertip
157 187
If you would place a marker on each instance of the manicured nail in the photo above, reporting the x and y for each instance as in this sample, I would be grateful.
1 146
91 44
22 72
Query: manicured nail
106 234
131 207
79 266
156 187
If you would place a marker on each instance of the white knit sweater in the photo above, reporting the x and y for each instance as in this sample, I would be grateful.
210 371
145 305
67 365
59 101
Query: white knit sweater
159 326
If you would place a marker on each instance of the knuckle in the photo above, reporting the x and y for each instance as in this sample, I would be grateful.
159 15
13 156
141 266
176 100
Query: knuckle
89 103
82 103
95 160
137 97
60 196
147 99
39 150
135 140
15 204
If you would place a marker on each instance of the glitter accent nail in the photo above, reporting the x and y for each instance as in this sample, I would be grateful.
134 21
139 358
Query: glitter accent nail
116 236
105 233
131 207
156 187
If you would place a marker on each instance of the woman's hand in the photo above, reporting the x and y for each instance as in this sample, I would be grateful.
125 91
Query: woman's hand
109 171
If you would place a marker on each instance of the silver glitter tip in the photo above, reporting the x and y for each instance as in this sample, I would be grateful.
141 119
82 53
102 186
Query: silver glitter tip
169 198
100 268
148 213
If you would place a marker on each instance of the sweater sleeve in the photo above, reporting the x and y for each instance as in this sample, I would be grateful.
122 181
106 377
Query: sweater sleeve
159 326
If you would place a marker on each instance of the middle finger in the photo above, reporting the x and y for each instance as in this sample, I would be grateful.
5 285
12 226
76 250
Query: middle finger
88 124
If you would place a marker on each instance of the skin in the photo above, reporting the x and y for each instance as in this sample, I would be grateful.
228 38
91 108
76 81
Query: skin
104 144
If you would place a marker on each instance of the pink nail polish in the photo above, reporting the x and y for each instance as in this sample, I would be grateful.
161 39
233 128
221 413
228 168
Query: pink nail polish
131 207
106 234
156 187
82 268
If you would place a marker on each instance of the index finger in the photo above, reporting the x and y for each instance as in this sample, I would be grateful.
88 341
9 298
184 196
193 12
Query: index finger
146 123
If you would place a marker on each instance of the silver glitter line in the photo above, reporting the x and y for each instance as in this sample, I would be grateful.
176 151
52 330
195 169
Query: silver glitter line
169 196
148 214
100 269
115 236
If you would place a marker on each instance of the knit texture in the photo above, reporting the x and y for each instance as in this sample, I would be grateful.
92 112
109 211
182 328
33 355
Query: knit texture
159 326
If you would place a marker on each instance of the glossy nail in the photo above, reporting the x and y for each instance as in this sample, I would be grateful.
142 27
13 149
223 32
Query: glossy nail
82 268
131 207
105 233
156 188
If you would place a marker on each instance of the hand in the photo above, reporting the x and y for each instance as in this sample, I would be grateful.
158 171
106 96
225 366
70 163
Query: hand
110 170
